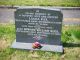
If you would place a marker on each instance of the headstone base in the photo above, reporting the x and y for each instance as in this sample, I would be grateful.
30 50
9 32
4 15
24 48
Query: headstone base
54 48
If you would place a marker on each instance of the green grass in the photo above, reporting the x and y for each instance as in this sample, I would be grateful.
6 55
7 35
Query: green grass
75 3
70 34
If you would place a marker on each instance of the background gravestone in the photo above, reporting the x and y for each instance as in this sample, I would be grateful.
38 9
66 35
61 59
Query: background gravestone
38 24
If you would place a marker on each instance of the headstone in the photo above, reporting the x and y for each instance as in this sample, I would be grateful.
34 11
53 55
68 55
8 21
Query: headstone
38 25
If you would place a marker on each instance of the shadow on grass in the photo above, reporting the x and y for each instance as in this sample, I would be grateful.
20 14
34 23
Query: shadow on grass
71 44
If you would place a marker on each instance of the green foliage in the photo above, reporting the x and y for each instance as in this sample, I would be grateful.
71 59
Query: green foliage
7 32
69 33
41 2
76 33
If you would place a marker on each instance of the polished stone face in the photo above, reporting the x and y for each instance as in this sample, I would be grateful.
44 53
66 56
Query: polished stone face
38 25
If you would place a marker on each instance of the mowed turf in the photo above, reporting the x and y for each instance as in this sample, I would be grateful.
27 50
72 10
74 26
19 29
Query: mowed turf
65 3
70 39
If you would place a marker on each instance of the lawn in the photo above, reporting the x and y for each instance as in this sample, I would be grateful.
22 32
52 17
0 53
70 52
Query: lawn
70 38
65 3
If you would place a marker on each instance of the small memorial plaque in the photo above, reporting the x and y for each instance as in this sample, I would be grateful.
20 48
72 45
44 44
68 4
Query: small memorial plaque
38 28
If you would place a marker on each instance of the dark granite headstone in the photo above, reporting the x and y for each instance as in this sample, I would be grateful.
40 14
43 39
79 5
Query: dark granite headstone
38 24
